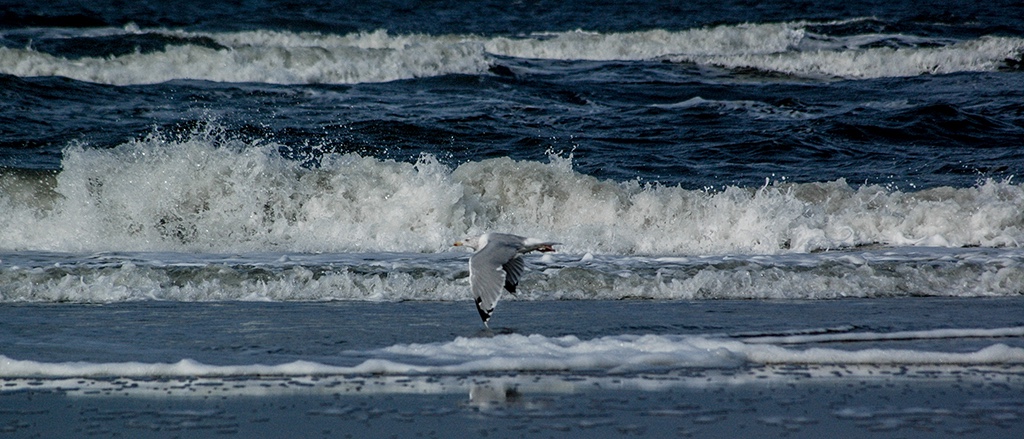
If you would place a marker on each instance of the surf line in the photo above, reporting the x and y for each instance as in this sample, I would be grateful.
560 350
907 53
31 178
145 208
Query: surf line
1015 331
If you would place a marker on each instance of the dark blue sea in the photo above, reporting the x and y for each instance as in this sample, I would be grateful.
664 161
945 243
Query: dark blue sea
211 210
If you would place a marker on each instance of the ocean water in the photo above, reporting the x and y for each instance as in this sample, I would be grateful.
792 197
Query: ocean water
234 198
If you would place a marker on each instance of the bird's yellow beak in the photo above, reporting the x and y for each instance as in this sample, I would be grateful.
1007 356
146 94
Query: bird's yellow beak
457 243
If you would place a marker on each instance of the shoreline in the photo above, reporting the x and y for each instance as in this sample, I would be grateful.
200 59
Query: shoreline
795 401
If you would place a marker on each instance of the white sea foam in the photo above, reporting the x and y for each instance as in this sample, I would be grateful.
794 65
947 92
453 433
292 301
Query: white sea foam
985 54
388 277
520 353
266 57
900 335
302 58
741 39
497 390
210 194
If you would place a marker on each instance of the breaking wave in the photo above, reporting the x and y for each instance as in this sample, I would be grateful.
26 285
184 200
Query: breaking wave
281 57
206 193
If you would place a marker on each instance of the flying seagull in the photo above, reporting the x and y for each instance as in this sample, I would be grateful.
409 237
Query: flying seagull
497 254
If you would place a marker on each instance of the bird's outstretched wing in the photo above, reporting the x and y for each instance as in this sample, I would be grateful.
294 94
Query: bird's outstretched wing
513 271
487 275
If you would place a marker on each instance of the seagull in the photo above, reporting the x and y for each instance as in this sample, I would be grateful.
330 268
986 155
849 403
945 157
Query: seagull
497 254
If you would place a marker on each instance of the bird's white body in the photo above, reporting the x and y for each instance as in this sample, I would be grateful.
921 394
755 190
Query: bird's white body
498 264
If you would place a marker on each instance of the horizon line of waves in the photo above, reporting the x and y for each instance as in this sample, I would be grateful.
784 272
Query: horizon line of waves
219 195
537 353
282 57
444 277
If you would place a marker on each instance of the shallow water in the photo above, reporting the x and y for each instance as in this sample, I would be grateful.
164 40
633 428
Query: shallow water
527 335
281 368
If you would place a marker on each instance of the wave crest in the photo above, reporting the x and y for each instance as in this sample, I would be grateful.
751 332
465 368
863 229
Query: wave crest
207 193
280 57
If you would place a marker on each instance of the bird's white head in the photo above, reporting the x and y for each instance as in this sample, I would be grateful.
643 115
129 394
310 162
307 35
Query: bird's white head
473 242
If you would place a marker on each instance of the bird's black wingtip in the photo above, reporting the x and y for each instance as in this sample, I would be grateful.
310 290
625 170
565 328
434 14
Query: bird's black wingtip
485 314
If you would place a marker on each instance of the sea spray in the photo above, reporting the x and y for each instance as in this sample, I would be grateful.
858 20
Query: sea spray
212 193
